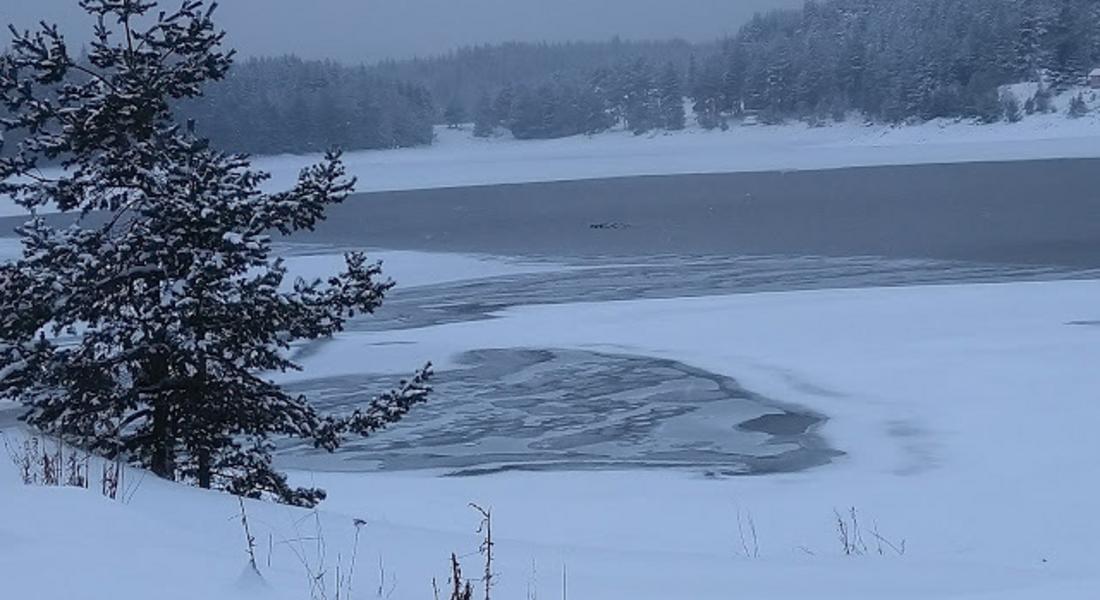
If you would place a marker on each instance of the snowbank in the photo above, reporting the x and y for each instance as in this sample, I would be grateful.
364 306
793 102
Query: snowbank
967 412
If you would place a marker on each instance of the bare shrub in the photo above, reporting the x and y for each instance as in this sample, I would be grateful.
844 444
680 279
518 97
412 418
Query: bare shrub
850 536
746 530
45 464
897 547
461 589
485 529
110 481
55 464
250 540
335 581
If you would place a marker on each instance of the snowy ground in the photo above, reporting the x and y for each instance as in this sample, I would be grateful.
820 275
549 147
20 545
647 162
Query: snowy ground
961 417
458 159
966 414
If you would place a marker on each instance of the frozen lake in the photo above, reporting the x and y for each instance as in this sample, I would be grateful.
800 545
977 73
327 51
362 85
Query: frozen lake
1033 212
544 408
1030 212
527 409
533 408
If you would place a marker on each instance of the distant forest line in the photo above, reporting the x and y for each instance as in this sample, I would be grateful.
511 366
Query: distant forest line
887 60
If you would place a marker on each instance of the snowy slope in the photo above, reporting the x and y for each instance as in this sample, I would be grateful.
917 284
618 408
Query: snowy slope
965 411
458 159
967 414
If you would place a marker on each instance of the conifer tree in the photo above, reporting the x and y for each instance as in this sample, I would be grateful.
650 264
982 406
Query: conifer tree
595 117
485 119
1078 107
145 333
504 106
707 95
639 97
455 114
671 99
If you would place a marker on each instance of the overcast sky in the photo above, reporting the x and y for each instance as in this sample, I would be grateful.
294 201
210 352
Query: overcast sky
368 30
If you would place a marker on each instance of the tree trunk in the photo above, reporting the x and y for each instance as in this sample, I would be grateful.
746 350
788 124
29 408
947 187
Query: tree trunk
204 469
163 462
164 459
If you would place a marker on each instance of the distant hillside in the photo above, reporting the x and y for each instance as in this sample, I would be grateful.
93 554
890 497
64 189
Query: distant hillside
887 60
897 60
468 72
289 105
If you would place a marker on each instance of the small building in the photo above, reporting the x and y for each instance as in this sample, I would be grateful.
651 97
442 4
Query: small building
1094 79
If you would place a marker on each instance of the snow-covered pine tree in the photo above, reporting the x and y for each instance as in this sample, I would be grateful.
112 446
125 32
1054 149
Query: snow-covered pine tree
504 106
594 114
144 330
455 113
708 93
1078 107
639 97
671 99
485 119
692 76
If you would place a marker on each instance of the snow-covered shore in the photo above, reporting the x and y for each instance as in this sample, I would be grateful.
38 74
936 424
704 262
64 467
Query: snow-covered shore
966 413
458 159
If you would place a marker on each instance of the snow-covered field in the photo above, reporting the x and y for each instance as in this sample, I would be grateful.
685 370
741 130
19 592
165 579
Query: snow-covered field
458 159
967 415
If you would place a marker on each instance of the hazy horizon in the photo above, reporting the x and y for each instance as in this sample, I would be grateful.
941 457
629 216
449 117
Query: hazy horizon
356 31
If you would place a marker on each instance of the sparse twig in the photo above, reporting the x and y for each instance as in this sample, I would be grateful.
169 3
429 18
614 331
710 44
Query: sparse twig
460 589
857 531
533 582
251 541
844 534
485 528
358 523
130 491
850 534
383 593
898 548
750 543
